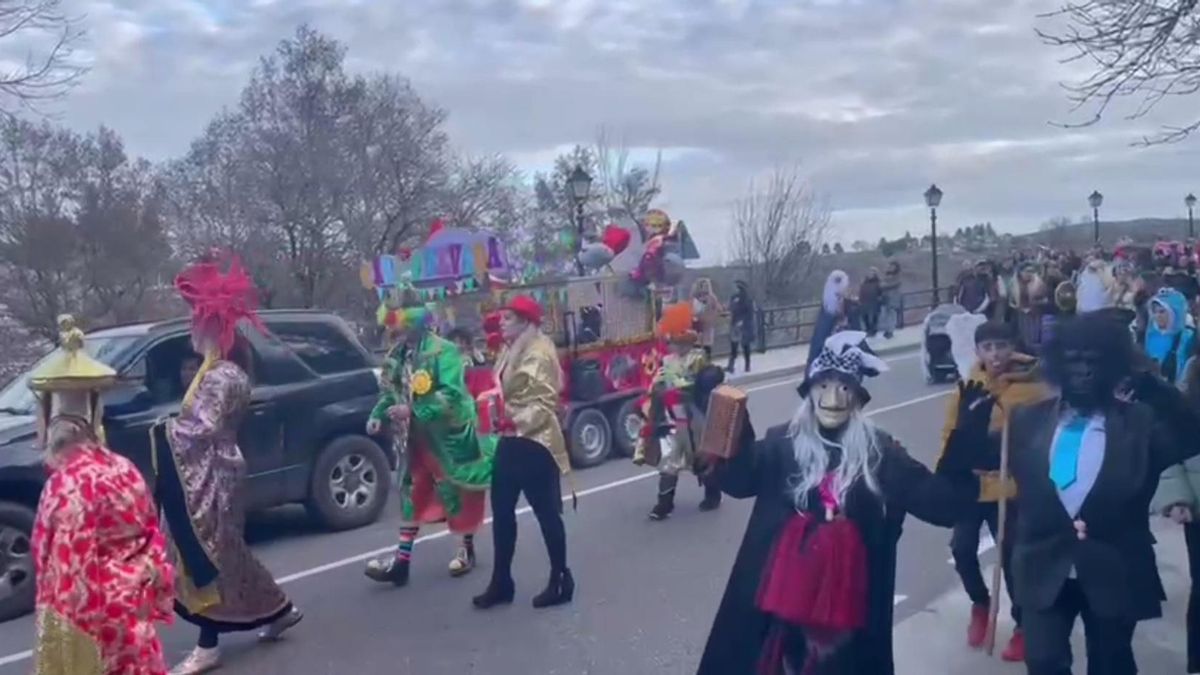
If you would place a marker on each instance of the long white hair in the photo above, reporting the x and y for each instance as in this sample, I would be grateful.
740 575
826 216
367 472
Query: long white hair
860 454
835 289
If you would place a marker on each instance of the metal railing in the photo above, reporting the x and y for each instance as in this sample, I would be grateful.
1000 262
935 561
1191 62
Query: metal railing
789 325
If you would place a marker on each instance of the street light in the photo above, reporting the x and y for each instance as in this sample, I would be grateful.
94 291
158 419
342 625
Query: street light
933 198
580 183
1190 200
1095 200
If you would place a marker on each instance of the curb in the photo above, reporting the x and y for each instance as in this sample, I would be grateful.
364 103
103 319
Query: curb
787 371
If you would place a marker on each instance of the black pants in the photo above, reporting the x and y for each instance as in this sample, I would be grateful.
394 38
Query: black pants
1191 534
523 465
964 545
1048 637
870 315
733 352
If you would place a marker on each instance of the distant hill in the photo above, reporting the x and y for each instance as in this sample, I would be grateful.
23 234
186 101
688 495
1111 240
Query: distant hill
1142 230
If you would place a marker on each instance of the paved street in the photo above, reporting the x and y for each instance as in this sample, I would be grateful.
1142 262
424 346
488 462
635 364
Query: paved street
647 591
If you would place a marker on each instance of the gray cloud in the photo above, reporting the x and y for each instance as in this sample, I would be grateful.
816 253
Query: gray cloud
876 98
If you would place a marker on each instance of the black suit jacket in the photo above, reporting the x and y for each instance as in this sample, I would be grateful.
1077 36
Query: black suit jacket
1115 564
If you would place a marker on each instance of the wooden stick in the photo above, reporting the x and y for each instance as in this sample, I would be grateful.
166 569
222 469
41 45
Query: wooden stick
998 570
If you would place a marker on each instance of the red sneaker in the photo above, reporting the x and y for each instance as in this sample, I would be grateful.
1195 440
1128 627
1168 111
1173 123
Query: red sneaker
977 630
1015 652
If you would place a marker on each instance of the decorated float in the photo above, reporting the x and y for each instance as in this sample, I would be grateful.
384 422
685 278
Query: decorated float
603 322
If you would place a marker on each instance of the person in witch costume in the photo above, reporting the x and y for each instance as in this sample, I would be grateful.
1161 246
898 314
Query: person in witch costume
531 456
201 474
449 463
812 586
674 419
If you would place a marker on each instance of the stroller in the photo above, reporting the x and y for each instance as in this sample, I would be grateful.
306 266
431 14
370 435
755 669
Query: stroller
937 357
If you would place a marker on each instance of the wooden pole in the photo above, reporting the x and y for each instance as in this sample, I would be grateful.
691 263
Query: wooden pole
998 570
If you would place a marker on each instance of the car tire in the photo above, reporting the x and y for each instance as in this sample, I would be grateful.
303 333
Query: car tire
350 483
590 438
16 560
625 430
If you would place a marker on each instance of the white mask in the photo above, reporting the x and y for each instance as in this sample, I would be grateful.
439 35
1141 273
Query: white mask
834 400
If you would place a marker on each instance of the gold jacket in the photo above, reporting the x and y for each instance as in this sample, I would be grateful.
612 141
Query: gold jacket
531 381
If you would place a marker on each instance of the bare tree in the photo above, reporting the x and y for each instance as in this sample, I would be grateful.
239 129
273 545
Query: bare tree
776 230
47 36
629 190
1147 50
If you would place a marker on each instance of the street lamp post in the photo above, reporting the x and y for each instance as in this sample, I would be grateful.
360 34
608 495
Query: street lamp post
1095 200
581 188
933 197
1190 200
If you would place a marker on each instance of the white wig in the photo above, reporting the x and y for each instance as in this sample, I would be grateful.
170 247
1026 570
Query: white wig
859 444
835 290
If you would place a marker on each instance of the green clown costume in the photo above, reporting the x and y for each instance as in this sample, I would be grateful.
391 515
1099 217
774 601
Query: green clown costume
433 420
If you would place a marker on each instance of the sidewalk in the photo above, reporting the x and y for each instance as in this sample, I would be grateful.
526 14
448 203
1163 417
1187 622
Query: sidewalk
785 361
934 640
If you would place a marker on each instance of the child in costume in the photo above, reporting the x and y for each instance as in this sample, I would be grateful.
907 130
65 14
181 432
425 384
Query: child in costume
674 419
96 534
449 463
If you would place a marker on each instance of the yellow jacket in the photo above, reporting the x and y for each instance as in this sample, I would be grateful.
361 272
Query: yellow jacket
1021 385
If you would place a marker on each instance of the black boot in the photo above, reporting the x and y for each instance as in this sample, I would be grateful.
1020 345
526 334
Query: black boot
498 592
393 571
559 590
666 497
712 498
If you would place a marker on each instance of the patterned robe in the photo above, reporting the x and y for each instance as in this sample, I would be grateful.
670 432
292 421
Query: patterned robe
202 490
669 396
103 578
449 464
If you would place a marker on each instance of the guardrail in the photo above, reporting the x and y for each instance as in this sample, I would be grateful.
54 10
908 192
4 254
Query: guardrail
793 324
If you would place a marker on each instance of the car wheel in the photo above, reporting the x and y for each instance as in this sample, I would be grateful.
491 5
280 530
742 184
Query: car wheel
627 425
17 588
590 439
350 483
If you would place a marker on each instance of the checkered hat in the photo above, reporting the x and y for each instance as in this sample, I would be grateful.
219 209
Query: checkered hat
847 356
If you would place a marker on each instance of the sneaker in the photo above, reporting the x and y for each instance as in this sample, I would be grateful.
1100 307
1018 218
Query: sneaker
387 571
201 660
1015 652
977 629
463 562
279 626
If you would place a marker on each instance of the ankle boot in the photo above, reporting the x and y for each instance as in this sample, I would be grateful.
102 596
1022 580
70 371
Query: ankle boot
712 498
391 571
666 497
498 592
559 590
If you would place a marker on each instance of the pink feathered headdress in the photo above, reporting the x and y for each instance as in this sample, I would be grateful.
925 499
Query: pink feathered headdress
219 300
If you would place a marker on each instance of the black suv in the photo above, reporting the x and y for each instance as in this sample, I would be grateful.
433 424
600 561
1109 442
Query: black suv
303 437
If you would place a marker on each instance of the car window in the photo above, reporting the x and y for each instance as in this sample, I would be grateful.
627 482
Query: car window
323 347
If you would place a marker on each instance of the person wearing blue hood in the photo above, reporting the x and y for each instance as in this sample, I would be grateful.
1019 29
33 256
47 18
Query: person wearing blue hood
1168 338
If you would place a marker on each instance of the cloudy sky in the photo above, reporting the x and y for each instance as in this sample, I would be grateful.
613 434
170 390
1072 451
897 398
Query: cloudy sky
875 98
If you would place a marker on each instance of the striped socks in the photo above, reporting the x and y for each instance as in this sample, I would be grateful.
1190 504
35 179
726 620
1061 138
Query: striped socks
408 535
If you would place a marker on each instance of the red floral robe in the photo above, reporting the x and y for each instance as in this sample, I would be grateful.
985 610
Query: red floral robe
103 578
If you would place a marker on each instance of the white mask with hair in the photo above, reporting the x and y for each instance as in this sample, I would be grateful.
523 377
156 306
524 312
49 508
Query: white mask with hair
859 446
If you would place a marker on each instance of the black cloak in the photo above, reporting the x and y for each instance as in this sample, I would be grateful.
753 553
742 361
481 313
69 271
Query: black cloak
762 469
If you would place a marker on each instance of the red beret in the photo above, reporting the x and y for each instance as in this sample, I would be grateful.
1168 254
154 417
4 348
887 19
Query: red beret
525 307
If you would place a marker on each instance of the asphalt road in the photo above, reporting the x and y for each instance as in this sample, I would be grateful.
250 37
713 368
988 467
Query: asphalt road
646 595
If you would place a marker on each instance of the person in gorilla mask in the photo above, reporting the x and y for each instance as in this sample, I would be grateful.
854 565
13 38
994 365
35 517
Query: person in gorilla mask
1087 462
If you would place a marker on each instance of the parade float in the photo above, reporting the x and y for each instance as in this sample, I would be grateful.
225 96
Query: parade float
602 322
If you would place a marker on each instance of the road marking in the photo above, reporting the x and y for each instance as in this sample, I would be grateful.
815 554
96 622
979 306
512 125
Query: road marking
313 571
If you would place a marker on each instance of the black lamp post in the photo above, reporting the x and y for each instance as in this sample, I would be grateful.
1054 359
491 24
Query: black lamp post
1095 200
933 197
581 188
1190 200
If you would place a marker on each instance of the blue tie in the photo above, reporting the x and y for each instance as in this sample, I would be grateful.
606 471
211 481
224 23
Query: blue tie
1064 462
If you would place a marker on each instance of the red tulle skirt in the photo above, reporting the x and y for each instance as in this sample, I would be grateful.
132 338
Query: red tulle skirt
816 580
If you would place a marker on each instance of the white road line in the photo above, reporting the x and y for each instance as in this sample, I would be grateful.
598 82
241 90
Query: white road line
313 571
897 599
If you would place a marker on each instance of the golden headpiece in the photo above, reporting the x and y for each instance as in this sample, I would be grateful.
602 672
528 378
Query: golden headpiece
71 381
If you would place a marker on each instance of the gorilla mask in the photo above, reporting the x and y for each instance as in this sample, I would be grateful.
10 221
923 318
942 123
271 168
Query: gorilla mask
1087 359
